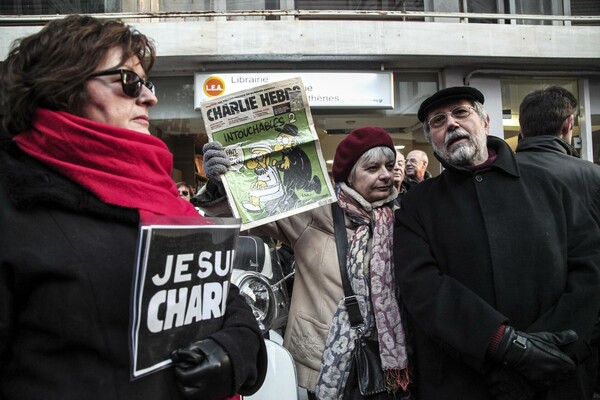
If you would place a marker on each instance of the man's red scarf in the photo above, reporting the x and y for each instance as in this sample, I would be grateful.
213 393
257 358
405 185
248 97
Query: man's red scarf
121 167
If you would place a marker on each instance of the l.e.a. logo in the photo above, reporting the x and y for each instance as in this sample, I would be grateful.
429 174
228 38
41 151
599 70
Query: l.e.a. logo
213 86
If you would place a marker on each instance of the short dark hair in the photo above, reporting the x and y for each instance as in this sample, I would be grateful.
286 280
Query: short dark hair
543 111
49 69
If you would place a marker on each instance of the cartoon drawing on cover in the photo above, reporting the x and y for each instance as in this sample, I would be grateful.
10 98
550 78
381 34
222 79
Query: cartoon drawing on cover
266 191
295 166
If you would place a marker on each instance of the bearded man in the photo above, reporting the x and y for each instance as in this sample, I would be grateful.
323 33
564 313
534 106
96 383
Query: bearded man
498 267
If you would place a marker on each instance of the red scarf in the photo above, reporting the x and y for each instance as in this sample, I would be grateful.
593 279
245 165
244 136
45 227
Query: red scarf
121 167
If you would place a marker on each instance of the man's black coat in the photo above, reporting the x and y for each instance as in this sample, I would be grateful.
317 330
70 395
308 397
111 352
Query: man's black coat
475 249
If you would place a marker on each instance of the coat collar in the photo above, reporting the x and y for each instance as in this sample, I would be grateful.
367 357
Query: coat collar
546 143
505 159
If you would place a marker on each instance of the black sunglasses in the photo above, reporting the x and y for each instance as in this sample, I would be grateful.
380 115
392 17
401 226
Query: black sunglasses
184 192
130 81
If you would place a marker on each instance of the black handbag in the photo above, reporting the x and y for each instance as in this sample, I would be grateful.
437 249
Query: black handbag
366 362
368 366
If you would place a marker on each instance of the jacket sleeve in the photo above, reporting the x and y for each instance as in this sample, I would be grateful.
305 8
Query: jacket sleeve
243 341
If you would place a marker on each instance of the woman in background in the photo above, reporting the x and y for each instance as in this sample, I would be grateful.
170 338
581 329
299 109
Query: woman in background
185 190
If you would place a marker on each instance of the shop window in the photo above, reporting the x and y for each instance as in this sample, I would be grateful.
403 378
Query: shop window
175 121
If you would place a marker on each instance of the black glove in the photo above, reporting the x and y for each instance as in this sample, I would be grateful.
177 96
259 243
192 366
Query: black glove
506 384
536 356
203 371
215 163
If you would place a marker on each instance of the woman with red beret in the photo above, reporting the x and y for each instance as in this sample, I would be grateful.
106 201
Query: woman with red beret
318 333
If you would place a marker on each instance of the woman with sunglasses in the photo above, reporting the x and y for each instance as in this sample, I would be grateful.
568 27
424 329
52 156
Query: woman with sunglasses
185 191
78 164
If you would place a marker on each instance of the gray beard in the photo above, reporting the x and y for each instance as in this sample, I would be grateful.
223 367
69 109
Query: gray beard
464 153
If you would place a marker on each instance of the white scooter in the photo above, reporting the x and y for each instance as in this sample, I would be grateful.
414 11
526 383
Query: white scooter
259 275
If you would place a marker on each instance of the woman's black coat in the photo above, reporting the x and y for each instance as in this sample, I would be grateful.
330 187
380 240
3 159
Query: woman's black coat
66 266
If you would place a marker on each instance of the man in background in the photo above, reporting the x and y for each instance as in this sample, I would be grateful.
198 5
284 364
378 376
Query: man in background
416 168
399 174
547 117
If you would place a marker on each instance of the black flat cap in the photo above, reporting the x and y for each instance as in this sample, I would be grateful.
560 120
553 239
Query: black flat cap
444 95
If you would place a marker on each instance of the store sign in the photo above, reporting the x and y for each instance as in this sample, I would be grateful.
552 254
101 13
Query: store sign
323 89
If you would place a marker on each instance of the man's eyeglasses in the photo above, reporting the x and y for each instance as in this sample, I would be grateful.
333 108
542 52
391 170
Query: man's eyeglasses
184 193
130 81
459 113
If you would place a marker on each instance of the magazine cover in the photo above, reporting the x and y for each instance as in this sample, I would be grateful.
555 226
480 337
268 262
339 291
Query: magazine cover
180 288
277 167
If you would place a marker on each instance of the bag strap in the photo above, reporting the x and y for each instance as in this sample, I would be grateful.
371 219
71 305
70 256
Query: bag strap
341 243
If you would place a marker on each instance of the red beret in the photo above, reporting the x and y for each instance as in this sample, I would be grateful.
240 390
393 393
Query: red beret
355 145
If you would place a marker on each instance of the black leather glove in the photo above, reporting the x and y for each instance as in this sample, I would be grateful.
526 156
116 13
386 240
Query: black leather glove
203 371
537 356
506 384
215 163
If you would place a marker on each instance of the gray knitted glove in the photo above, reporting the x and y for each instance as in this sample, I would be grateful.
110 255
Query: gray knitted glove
215 162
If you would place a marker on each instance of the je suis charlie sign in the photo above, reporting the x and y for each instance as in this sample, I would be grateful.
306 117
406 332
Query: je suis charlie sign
180 289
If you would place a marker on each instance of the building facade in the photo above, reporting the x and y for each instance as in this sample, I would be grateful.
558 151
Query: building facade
396 52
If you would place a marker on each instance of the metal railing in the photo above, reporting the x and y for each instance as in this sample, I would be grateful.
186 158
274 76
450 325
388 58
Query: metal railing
427 16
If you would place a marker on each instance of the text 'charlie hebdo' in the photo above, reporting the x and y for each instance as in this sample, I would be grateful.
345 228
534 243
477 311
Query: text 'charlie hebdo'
249 103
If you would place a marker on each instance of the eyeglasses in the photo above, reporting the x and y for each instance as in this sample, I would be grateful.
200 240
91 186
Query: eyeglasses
459 113
130 81
184 193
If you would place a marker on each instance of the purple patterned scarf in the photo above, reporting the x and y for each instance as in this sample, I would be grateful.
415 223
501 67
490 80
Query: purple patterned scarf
374 282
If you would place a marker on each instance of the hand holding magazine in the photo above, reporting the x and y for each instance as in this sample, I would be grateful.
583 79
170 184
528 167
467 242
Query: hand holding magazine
277 167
